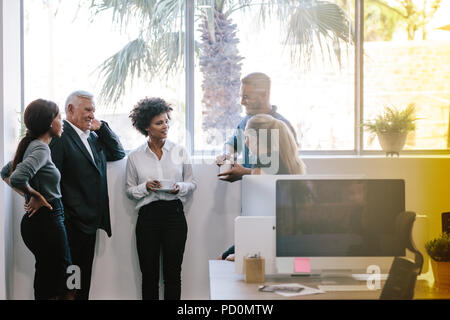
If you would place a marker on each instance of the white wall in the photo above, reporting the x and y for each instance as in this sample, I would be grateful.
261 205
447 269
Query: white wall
3 195
10 93
210 215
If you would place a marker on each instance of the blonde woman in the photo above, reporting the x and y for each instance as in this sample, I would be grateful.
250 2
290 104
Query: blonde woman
274 151
273 146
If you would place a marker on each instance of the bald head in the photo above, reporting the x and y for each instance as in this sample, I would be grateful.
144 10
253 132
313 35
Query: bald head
255 93
258 80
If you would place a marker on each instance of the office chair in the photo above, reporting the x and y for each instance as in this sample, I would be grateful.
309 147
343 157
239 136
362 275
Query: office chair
403 274
446 222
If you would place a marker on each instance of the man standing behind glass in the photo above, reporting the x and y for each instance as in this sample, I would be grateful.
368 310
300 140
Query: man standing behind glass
81 155
255 97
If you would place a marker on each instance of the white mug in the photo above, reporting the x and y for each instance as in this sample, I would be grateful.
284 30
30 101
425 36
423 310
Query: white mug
227 166
166 184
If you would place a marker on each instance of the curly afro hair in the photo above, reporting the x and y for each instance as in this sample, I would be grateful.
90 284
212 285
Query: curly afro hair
145 110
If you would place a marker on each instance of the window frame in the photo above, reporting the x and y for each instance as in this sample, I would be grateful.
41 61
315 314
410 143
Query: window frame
358 149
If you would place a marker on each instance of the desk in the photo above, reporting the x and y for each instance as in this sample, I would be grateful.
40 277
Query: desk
225 284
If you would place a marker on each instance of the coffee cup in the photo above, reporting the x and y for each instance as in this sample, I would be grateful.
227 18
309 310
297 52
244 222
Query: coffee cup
226 166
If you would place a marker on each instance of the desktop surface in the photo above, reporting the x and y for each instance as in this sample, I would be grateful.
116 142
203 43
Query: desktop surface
225 284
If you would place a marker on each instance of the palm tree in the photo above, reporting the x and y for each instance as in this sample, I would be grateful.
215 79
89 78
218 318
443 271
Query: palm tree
158 48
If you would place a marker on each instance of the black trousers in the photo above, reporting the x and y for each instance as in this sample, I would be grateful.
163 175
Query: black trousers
161 228
45 235
82 249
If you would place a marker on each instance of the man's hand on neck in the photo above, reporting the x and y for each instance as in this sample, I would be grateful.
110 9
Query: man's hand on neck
95 125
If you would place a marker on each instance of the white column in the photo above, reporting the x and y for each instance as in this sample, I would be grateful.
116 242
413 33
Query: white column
10 102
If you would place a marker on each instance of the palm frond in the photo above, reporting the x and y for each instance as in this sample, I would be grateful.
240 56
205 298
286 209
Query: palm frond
167 12
133 59
138 59
167 53
308 23
324 23
123 10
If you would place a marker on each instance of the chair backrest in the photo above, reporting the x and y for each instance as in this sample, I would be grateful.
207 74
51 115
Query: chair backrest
446 222
403 274
404 226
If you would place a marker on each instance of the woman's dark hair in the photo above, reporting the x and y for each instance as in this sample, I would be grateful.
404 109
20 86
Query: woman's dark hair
145 110
38 118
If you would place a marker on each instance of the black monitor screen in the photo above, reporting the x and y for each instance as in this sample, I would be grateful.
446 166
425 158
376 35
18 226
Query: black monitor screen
338 218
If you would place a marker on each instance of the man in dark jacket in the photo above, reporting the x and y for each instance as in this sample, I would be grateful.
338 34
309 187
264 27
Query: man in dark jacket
81 155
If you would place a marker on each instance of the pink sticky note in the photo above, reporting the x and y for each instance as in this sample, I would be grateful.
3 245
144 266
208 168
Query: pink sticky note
302 265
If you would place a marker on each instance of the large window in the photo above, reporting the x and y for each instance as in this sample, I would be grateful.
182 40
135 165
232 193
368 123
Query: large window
314 90
123 51
407 61
66 46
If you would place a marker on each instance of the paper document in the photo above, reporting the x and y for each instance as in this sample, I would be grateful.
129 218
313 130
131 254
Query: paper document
290 289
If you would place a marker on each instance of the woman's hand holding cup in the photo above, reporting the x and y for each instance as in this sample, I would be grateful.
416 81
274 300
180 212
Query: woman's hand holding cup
175 190
153 185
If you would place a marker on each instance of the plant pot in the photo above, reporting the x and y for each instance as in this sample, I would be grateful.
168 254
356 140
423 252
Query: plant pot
392 143
441 273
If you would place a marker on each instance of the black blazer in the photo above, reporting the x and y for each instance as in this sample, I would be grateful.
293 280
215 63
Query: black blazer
84 187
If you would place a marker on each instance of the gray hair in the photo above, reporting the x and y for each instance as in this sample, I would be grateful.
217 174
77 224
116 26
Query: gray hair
79 94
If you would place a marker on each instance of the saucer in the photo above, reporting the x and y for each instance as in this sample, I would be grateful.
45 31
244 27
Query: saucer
165 189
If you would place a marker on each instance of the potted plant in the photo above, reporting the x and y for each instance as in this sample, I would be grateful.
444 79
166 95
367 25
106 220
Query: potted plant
392 128
439 251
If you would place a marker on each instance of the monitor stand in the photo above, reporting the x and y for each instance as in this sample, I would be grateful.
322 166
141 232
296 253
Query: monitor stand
337 273
326 274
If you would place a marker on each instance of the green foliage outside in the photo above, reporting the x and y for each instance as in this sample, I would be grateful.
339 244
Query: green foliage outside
384 17
380 22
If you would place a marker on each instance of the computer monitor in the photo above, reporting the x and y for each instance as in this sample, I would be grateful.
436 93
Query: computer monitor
258 191
338 224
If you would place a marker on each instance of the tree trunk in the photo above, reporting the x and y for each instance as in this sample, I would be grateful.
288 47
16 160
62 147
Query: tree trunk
424 33
220 64
411 31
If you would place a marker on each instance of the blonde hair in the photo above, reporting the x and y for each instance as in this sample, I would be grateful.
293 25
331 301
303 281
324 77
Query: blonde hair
287 146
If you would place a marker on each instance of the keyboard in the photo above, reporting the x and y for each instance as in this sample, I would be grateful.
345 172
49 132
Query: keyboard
359 287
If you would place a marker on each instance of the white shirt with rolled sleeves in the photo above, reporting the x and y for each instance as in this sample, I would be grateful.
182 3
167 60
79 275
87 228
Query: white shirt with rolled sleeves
143 165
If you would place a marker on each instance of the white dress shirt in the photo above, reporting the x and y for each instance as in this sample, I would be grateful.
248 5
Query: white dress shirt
84 135
143 165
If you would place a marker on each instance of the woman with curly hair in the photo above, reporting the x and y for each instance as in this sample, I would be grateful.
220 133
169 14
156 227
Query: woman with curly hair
161 227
